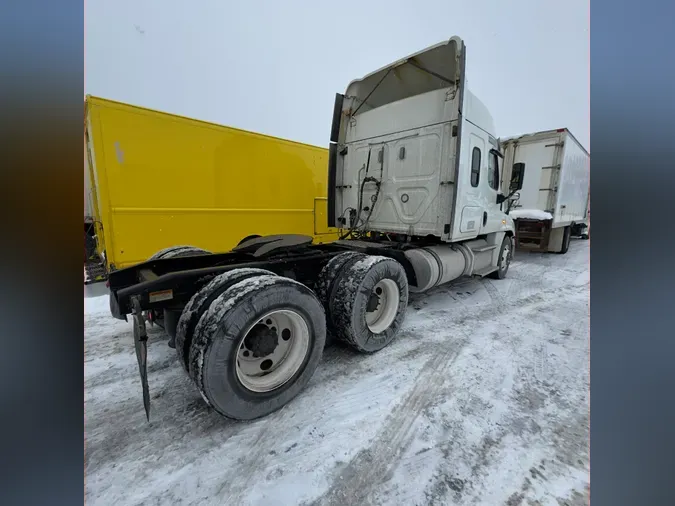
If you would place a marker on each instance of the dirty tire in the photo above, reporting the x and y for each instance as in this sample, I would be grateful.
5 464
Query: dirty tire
504 261
115 310
179 251
201 301
170 320
567 237
352 294
221 330
326 282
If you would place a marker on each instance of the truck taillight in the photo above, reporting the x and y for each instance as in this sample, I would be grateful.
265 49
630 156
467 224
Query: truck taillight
561 129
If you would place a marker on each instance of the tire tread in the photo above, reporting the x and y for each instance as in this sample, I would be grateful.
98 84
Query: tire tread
201 301
344 295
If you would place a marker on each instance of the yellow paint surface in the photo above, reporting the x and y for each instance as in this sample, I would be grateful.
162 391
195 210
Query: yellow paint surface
162 180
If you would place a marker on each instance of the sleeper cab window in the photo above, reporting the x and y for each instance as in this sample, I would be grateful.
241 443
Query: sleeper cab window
493 171
475 167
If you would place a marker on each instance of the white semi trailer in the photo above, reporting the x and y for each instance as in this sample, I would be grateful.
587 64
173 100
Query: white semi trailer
553 204
414 172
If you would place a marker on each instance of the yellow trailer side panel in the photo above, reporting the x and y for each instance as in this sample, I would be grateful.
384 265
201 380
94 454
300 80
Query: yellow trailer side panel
163 180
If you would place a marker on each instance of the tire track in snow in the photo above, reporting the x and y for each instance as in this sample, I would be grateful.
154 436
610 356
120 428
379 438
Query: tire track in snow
243 475
356 483
427 386
467 314
496 298
277 430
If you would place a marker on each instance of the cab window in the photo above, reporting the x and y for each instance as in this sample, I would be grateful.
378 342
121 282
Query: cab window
475 167
493 171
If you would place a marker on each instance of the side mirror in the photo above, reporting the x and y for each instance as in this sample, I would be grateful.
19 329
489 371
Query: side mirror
517 177
501 198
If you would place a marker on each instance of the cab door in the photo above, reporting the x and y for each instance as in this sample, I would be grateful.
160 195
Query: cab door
493 209
472 202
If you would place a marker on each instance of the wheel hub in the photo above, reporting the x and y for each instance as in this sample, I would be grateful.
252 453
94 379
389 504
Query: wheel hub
373 302
506 256
273 350
382 305
261 341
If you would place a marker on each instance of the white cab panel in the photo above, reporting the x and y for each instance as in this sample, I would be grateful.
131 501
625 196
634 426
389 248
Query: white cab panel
403 138
415 168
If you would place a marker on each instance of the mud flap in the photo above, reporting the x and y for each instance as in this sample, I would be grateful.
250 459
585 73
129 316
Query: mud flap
141 345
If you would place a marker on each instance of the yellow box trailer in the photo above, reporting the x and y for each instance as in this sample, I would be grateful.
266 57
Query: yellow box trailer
158 180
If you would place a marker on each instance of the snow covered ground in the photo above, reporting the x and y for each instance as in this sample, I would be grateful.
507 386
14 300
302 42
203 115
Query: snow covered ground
482 399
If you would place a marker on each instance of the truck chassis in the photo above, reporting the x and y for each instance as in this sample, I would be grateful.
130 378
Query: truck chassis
353 290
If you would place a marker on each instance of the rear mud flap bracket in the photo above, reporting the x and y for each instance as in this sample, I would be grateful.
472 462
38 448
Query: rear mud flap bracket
141 345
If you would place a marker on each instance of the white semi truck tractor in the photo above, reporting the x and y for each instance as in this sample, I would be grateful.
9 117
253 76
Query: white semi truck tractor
414 185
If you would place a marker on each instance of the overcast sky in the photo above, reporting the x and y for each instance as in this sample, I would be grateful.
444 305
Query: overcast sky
275 66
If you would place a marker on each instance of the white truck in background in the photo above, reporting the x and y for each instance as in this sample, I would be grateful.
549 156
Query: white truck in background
553 204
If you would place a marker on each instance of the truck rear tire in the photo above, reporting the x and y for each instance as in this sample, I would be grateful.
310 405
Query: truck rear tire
257 346
170 324
567 237
368 302
179 251
505 256
326 283
201 301
173 252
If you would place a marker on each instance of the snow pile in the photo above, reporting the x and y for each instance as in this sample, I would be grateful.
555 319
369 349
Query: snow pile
530 214
97 305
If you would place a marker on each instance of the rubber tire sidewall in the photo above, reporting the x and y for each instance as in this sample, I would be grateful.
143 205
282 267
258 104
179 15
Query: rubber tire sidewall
201 301
115 310
350 296
218 380
325 286
170 318
499 273
567 239
329 274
